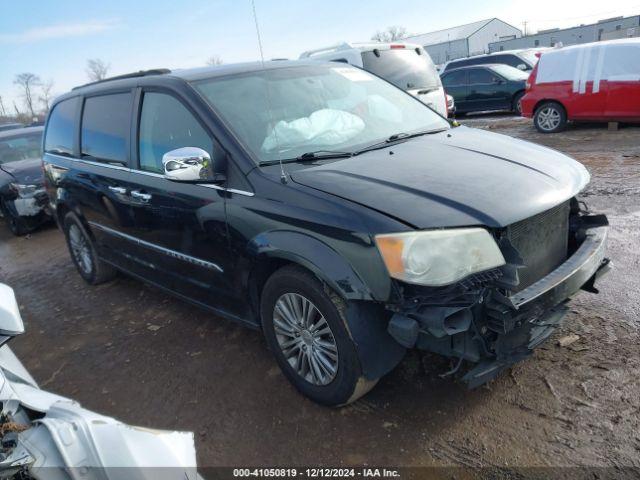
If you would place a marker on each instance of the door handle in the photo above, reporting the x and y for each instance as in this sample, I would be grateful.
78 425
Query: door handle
145 197
120 190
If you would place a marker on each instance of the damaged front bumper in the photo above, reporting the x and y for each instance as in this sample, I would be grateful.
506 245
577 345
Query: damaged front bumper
480 322
30 206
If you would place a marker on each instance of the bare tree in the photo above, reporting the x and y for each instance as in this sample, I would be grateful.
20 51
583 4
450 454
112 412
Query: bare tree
97 69
46 94
391 34
27 82
3 112
214 60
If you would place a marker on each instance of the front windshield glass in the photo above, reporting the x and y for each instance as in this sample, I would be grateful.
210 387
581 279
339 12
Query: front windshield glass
282 113
530 56
404 67
20 147
510 73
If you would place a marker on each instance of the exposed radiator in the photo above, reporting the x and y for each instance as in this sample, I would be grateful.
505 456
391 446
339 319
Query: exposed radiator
542 242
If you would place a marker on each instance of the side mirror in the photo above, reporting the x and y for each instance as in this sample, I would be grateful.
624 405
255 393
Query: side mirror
188 164
10 319
521 66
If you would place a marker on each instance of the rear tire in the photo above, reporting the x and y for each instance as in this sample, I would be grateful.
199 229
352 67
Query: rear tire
83 252
314 350
550 117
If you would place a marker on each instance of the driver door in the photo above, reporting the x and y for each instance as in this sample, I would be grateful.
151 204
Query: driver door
181 227
487 90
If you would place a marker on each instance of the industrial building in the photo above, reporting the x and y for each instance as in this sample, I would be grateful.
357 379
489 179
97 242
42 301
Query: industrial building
464 40
608 29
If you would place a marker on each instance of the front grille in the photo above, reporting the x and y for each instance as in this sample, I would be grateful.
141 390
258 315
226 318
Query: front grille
542 242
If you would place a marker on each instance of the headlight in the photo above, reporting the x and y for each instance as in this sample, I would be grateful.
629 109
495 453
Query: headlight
438 257
25 191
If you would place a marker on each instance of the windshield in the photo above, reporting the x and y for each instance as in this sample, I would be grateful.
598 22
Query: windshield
20 147
530 57
282 113
403 67
510 73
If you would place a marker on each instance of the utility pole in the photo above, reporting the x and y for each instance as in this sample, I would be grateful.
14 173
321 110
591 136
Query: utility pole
525 28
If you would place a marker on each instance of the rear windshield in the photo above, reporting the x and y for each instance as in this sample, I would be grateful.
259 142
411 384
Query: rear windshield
403 67
21 147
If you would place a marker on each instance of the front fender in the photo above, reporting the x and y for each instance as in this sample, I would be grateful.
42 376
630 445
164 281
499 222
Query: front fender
326 263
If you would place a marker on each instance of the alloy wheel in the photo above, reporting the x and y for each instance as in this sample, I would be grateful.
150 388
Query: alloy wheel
549 118
80 249
305 339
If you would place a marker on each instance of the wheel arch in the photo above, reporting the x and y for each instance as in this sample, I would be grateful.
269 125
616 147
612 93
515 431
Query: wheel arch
63 206
274 249
366 318
515 95
539 103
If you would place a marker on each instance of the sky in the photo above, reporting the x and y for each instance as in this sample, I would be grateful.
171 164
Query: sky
54 39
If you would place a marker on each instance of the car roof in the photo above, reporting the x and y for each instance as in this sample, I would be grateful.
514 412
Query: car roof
483 65
188 75
492 54
18 132
194 74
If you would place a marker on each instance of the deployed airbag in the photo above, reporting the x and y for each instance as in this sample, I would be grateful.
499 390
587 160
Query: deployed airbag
322 128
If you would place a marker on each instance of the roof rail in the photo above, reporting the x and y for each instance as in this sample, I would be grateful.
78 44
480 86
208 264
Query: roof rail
140 73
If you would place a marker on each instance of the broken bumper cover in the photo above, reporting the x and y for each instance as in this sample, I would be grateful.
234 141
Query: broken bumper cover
35 205
496 330
539 310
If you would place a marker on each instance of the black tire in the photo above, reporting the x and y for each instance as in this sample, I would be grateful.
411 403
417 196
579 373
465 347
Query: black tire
348 383
93 270
550 117
16 225
516 106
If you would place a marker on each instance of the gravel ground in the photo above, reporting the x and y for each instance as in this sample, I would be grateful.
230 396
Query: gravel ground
130 351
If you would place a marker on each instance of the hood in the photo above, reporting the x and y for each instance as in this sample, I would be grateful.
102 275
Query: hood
459 177
26 172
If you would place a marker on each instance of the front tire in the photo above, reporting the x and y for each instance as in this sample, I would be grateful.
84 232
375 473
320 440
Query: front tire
550 117
305 327
517 103
83 252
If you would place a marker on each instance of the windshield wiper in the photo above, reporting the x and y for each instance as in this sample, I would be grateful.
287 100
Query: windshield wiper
395 138
316 155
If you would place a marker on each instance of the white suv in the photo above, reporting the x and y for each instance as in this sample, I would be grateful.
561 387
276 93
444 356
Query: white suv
408 66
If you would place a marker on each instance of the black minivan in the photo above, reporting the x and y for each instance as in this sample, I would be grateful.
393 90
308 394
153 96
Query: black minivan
328 208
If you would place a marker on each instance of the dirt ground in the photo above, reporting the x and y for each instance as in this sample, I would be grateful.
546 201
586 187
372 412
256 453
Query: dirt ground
130 351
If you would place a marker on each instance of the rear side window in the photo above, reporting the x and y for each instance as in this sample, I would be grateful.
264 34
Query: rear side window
165 125
61 127
481 76
105 127
454 79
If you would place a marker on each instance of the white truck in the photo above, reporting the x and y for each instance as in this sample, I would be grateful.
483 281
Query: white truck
406 65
